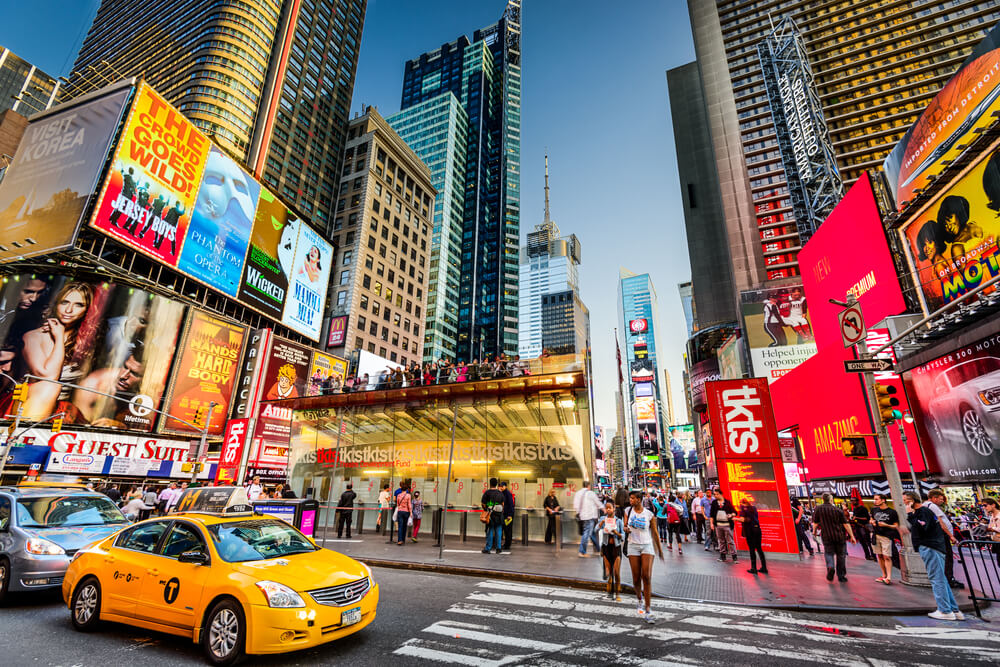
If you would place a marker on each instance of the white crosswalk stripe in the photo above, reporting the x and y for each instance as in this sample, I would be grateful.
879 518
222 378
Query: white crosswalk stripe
510 623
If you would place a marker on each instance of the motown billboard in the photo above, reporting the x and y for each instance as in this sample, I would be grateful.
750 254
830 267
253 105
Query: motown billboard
957 114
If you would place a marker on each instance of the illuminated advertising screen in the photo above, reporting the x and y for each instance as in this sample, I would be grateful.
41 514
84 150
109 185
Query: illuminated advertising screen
951 242
338 331
777 324
55 168
821 423
958 411
730 358
269 261
326 373
250 387
748 457
849 254
956 115
645 409
112 339
206 371
285 376
638 326
150 190
702 372
309 278
683 446
219 231
233 443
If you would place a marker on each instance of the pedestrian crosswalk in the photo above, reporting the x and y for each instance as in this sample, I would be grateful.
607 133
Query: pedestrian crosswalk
511 623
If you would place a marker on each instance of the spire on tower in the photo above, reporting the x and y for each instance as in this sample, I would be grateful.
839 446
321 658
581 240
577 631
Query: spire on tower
547 218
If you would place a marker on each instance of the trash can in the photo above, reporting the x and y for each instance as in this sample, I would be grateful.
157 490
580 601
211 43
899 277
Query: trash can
300 512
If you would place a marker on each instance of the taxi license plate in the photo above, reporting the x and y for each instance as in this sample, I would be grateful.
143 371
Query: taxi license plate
351 616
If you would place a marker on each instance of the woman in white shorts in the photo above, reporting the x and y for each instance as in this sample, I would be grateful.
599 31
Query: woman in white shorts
640 526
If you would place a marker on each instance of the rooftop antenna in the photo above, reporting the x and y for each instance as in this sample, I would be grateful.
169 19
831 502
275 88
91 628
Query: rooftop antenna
548 220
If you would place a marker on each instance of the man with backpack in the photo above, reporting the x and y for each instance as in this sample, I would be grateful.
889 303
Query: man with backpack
492 503
931 543
587 508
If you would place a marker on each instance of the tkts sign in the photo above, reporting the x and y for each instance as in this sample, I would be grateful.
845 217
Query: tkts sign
232 451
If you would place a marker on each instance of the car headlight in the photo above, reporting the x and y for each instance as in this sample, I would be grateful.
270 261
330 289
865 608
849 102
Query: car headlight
368 570
42 547
279 595
990 396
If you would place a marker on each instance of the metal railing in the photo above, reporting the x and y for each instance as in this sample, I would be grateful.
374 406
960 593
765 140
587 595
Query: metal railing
980 561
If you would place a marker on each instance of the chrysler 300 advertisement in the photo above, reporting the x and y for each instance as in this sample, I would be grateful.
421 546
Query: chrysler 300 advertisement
959 413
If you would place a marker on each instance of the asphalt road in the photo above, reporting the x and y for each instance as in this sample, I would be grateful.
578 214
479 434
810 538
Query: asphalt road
444 619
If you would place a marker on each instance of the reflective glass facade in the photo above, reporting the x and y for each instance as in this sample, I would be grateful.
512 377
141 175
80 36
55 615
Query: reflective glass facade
18 77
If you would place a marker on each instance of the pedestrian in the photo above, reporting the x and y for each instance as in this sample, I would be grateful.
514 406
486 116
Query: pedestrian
612 534
675 522
860 522
721 514
345 511
801 527
640 526
149 499
753 535
930 542
492 504
834 529
685 527
164 498
552 510
992 515
698 510
660 510
255 489
417 514
621 502
508 515
403 509
113 493
133 508
937 503
706 504
383 504
587 508
885 523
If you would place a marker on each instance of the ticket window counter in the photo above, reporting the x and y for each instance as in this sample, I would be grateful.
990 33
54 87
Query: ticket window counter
300 512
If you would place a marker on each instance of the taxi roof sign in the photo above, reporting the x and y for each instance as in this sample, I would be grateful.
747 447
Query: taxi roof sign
222 500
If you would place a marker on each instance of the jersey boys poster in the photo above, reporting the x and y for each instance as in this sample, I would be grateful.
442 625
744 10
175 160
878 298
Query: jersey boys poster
269 262
205 372
151 187
310 275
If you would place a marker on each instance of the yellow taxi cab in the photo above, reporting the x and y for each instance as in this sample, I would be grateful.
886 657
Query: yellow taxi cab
235 582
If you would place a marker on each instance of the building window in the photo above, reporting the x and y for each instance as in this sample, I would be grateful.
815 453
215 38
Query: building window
345 276
366 281
347 258
373 329
364 302
341 298
376 308
378 288
358 343
362 322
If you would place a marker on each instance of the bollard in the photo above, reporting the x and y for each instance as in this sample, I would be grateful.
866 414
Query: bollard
524 529
387 526
437 526
464 527
361 521
559 532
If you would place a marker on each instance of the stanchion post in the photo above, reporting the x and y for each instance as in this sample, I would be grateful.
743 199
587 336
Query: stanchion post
524 528
465 525
447 485
558 532
361 520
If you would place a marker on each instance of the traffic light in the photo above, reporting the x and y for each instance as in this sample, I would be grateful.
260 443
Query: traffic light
199 418
854 446
20 392
57 424
887 403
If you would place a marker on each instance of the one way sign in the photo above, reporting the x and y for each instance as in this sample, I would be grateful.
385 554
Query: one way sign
867 365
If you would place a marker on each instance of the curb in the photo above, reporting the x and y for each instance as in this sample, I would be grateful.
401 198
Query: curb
588 584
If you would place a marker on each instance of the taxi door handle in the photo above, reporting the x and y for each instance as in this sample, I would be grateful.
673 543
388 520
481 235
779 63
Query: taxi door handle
153 572
109 559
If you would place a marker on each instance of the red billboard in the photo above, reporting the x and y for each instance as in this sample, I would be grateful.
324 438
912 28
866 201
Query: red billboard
748 456
232 451
849 254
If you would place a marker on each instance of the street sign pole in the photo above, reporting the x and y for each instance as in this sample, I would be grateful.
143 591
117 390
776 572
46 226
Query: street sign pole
914 574
9 437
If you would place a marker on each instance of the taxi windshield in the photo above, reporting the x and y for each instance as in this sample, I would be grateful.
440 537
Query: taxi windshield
64 511
258 539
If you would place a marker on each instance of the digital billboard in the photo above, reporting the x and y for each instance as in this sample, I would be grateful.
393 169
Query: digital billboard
958 415
286 374
45 190
326 373
748 456
96 335
219 231
849 254
310 276
269 262
206 371
700 373
730 357
150 189
957 114
338 331
951 242
777 327
683 446
645 409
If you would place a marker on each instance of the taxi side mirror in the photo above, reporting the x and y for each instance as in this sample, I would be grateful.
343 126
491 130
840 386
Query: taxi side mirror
196 557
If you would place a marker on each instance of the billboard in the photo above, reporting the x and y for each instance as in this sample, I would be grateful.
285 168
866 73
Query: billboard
778 329
799 404
151 186
956 115
683 446
286 372
700 373
958 411
338 331
206 371
269 262
645 409
748 456
311 266
638 326
326 371
951 244
730 358
219 232
250 387
849 254
45 190
232 451
96 335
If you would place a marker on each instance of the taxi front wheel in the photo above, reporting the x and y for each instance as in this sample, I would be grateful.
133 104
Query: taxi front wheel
224 638
85 609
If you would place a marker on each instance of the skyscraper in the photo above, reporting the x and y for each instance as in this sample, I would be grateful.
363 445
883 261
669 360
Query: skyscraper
484 75
876 65
269 80
23 87
548 265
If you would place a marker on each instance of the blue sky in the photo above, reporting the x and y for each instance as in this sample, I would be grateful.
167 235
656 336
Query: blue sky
594 97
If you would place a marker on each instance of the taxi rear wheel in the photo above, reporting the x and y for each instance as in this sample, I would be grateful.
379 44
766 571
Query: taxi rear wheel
224 638
85 606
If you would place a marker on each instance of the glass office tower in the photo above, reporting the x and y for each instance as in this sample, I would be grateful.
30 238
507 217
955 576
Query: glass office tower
484 75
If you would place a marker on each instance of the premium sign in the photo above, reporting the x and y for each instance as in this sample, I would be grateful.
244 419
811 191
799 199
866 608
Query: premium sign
749 458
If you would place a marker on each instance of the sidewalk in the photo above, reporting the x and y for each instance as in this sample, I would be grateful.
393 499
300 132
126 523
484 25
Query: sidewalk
793 583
